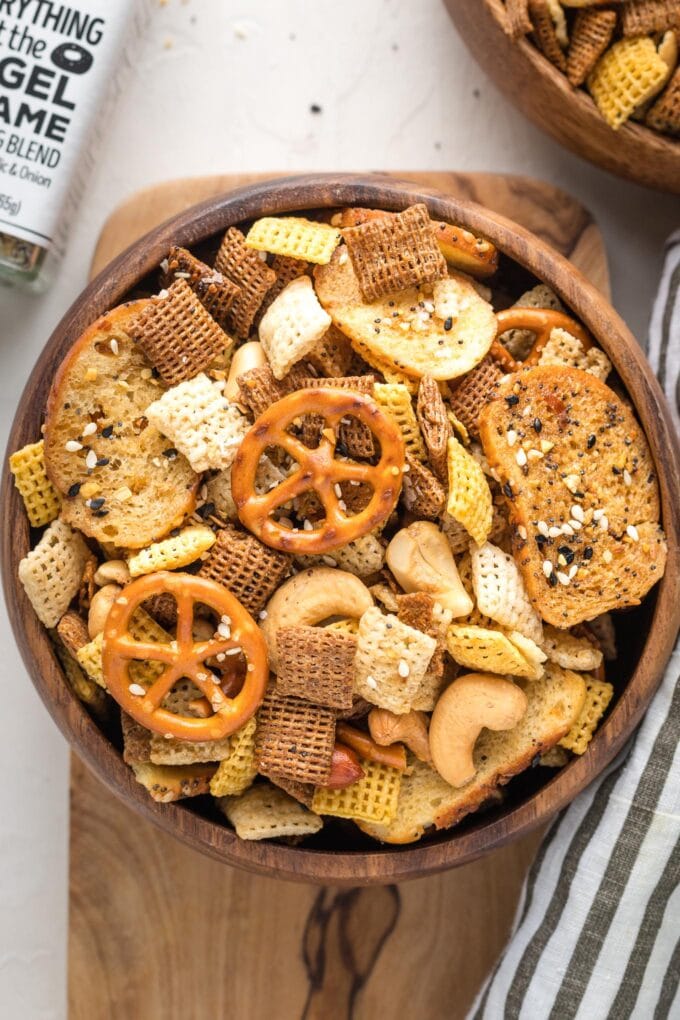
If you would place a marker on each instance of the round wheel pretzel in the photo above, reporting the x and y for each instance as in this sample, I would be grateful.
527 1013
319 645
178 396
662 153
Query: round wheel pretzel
318 470
539 321
184 657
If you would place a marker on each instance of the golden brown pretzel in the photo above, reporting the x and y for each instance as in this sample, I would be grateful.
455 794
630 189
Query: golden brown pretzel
318 470
540 322
184 657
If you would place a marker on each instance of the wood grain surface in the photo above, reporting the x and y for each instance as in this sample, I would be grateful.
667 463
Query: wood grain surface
159 931
527 78
646 635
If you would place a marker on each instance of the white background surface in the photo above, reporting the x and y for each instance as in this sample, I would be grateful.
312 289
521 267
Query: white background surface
226 86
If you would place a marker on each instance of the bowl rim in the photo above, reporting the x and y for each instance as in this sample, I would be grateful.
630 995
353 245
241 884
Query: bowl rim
389 863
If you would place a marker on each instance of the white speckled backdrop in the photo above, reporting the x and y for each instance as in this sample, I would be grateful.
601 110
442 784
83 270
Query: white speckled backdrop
259 85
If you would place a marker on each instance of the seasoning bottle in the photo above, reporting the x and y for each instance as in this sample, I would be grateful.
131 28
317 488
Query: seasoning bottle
56 61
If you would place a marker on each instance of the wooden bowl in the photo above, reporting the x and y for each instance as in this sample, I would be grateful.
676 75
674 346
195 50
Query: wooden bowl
521 72
333 856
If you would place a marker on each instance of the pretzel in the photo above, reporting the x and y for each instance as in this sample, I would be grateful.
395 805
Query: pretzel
184 658
539 321
318 470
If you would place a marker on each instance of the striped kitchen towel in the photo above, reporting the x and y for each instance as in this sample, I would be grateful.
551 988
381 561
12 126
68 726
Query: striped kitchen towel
597 934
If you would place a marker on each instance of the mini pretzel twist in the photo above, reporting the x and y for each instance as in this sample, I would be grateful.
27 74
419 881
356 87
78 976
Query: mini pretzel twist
184 657
319 470
539 321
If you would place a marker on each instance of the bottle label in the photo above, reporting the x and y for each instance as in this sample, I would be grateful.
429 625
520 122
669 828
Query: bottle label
55 61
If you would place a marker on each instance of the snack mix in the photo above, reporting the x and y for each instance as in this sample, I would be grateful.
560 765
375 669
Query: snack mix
334 530
624 52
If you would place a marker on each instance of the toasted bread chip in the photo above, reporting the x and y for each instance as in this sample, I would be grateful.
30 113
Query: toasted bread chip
469 500
434 424
492 651
400 332
333 355
41 499
629 74
179 337
395 400
598 695
237 771
294 738
248 568
591 34
391 661
644 17
316 664
51 572
263 812
517 21
421 611
500 592
570 651
200 422
422 492
292 326
166 783
244 267
556 758
547 32
564 349
215 292
426 801
294 237
394 253
592 499
132 495
664 114
373 798
172 553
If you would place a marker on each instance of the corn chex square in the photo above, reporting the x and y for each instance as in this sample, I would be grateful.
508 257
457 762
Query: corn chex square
564 349
500 592
295 237
627 75
292 326
200 422
391 661
394 253
373 798
51 572
316 664
395 400
362 556
294 738
82 686
41 499
173 751
172 553
570 651
469 500
265 812
598 695
237 771
491 651
142 627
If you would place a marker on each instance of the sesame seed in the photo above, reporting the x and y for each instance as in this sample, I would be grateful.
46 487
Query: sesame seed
576 525
547 568
607 556
562 578
521 458
226 619
342 505
534 455
137 689
329 561
632 532
113 344
263 614
577 513
230 651
597 514
511 437
90 428
90 460
592 439
546 446
224 631
604 522
626 478
567 529
342 258
371 682
522 532
554 532
72 446
562 560
572 571
543 528
307 525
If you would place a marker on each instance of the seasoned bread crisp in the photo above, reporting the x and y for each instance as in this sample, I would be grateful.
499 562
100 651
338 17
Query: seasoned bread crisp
120 480
427 801
581 492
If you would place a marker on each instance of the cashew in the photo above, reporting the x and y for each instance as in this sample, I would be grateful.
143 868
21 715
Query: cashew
112 572
411 729
311 596
421 560
100 607
469 704
250 355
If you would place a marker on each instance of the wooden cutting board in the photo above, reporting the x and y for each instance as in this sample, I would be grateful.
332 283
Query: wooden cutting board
159 932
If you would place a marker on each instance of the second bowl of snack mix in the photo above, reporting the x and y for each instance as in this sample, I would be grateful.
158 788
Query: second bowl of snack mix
334 515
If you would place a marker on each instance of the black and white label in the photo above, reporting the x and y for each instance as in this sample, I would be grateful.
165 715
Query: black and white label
55 61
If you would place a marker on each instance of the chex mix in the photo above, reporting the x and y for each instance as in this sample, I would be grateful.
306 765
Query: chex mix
336 528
